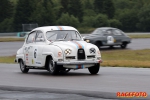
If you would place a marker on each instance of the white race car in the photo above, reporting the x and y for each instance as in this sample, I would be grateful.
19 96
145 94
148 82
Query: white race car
57 49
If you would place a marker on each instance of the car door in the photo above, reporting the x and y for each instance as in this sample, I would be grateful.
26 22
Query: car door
28 48
118 36
37 57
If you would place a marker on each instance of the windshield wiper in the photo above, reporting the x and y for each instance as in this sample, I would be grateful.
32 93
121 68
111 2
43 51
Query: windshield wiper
65 36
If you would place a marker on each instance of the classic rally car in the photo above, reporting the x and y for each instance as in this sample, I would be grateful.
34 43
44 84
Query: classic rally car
57 49
108 36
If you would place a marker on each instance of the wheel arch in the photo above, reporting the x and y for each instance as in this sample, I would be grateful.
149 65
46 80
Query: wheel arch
48 57
19 59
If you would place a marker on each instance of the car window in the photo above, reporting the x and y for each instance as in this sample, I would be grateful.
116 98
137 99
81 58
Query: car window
63 35
107 32
117 32
40 36
98 32
31 37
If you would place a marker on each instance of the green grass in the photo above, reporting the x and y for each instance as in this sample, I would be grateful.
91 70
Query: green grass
126 58
11 39
114 58
140 36
7 59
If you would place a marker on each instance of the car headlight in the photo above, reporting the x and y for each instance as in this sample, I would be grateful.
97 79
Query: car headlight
92 51
68 51
87 41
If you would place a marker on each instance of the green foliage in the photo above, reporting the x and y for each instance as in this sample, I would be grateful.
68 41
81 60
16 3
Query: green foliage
105 7
128 15
101 20
129 20
108 8
23 13
75 9
6 25
115 23
6 13
43 14
144 18
6 9
68 20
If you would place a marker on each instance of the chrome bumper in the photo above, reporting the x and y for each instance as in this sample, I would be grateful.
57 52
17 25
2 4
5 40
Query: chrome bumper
79 62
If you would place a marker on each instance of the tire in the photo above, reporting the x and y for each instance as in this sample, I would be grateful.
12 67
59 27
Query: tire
23 67
123 45
98 44
53 68
94 69
111 47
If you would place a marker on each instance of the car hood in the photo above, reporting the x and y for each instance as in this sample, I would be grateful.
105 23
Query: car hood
74 45
89 36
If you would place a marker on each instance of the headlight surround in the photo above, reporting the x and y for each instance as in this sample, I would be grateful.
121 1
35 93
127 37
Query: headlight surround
68 51
92 50
87 40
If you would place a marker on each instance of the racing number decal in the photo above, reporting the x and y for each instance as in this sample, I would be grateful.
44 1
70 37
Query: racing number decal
110 39
35 53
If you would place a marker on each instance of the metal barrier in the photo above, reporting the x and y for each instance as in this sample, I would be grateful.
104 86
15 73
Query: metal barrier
22 34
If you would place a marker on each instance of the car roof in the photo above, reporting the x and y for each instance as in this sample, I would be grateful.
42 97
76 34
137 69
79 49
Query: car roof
106 28
51 28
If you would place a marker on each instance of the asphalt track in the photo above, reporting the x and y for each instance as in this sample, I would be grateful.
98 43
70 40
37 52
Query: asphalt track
10 48
76 85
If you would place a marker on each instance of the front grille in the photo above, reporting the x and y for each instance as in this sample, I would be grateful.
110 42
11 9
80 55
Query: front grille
91 57
81 54
70 57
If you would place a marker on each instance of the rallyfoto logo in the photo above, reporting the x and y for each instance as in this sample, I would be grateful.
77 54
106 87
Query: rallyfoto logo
131 94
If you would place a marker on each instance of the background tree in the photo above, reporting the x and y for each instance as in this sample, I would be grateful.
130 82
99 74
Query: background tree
68 20
65 6
75 9
99 5
23 13
144 19
6 14
108 8
43 14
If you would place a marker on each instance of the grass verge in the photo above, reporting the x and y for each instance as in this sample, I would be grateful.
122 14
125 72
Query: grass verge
11 39
140 36
7 59
126 58
114 58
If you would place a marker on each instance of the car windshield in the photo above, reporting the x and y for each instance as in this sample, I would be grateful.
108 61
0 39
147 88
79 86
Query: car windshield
66 35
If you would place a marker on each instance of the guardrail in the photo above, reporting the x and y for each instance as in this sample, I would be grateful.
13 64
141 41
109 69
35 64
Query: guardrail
18 34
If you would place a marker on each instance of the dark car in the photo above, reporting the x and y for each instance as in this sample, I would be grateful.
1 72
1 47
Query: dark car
108 36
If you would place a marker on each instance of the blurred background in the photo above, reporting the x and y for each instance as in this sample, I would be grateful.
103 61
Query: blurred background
85 15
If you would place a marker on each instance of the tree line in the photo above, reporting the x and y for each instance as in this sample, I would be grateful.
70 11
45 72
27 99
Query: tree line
85 15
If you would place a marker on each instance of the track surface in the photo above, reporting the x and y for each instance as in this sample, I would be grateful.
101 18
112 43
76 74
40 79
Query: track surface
104 85
76 85
10 48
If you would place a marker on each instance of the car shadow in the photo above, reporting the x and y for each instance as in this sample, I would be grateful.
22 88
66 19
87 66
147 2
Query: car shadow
107 48
46 73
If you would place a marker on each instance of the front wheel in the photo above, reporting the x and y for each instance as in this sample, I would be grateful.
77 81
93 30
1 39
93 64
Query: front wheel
98 44
53 68
123 45
23 67
94 69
